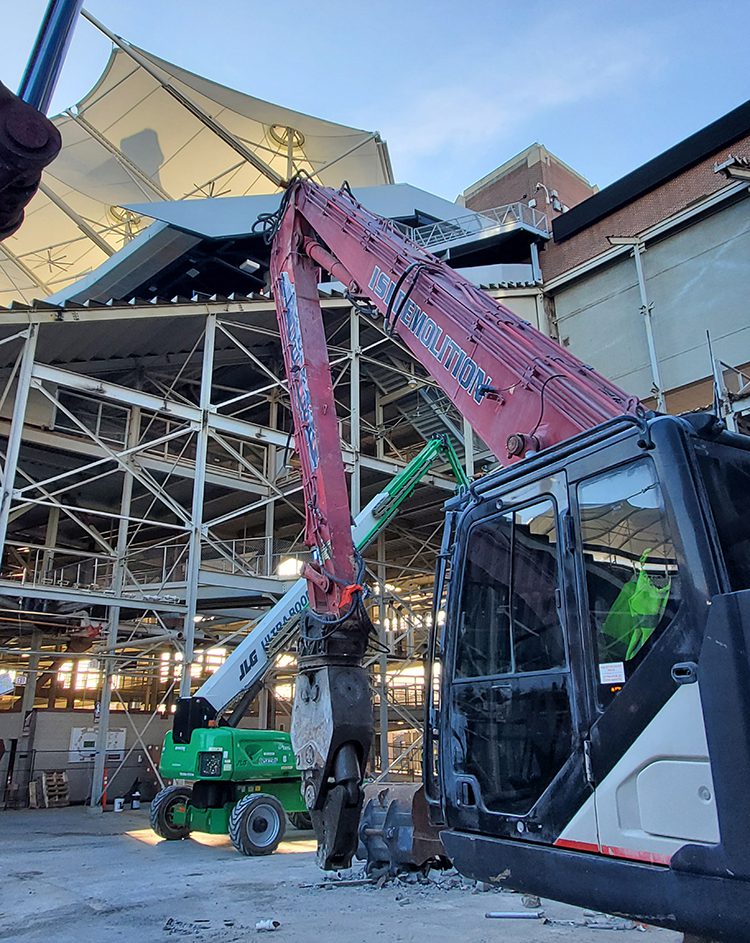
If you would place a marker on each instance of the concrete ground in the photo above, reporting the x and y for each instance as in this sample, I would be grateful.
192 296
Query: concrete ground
71 877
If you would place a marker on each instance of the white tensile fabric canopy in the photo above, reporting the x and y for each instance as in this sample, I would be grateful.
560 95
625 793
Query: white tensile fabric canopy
130 140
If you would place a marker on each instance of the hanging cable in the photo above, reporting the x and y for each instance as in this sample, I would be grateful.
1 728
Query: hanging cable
391 317
555 376
267 224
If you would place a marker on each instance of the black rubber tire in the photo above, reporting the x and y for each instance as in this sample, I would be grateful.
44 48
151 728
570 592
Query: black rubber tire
161 808
257 824
301 820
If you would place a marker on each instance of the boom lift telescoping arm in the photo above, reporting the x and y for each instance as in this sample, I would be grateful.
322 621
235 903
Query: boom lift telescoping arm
235 683
519 390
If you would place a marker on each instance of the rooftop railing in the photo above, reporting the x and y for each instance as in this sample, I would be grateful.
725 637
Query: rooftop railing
487 223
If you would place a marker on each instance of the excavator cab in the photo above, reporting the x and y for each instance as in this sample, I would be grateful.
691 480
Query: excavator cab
588 723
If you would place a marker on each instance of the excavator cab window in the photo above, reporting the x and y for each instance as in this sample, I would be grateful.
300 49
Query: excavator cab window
510 705
726 474
509 618
632 578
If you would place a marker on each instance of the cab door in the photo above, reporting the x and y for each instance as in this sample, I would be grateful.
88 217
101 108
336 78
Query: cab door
509 729
648 748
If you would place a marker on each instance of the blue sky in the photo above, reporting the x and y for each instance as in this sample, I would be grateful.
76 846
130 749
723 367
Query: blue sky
455 88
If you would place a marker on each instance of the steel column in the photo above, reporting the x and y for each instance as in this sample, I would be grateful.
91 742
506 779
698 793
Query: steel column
273 417
50 541
196 516
354 413
383 667
379 425
118 581
32 672
16 430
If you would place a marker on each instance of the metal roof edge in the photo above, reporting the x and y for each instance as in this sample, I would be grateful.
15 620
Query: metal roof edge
693 149
653 232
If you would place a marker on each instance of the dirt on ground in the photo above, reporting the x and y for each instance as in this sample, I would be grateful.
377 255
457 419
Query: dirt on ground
70 876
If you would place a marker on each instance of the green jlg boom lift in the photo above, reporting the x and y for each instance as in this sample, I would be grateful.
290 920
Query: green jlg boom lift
245 782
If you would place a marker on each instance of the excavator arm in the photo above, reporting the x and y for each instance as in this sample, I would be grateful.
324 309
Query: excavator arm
519 390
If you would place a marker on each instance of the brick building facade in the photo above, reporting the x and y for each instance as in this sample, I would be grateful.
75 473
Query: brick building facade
688 210
643 211
516 181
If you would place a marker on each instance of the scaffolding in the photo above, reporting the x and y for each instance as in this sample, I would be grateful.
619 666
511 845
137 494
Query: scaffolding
151 504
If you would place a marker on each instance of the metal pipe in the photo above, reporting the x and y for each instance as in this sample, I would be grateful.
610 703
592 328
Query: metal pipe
80 222
218 129
130 166
318 253
646 309
47 57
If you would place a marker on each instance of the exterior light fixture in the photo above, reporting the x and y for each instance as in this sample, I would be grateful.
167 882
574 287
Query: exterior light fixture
289 566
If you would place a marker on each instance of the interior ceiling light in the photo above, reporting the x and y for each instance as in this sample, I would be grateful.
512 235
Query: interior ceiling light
280 133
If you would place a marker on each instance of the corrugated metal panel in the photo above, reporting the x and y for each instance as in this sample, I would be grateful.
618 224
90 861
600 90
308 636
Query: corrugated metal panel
696 280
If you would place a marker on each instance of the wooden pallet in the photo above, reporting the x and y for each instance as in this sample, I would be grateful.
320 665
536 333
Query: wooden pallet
55 789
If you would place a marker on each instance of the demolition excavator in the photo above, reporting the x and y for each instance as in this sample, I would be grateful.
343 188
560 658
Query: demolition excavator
587 735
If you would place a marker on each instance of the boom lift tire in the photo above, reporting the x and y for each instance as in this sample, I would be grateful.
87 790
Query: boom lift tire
301 820
162 807
257 824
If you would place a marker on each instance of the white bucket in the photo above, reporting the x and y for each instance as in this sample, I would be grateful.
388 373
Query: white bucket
119 805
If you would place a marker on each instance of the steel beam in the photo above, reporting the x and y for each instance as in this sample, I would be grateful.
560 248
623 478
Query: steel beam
22 267
14 589
149 311
86 228
66 443
270 470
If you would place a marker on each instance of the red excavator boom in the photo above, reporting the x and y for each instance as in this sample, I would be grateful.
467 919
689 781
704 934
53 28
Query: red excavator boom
519 390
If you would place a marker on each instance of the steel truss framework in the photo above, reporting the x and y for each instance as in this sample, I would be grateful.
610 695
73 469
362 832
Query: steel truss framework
150 502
